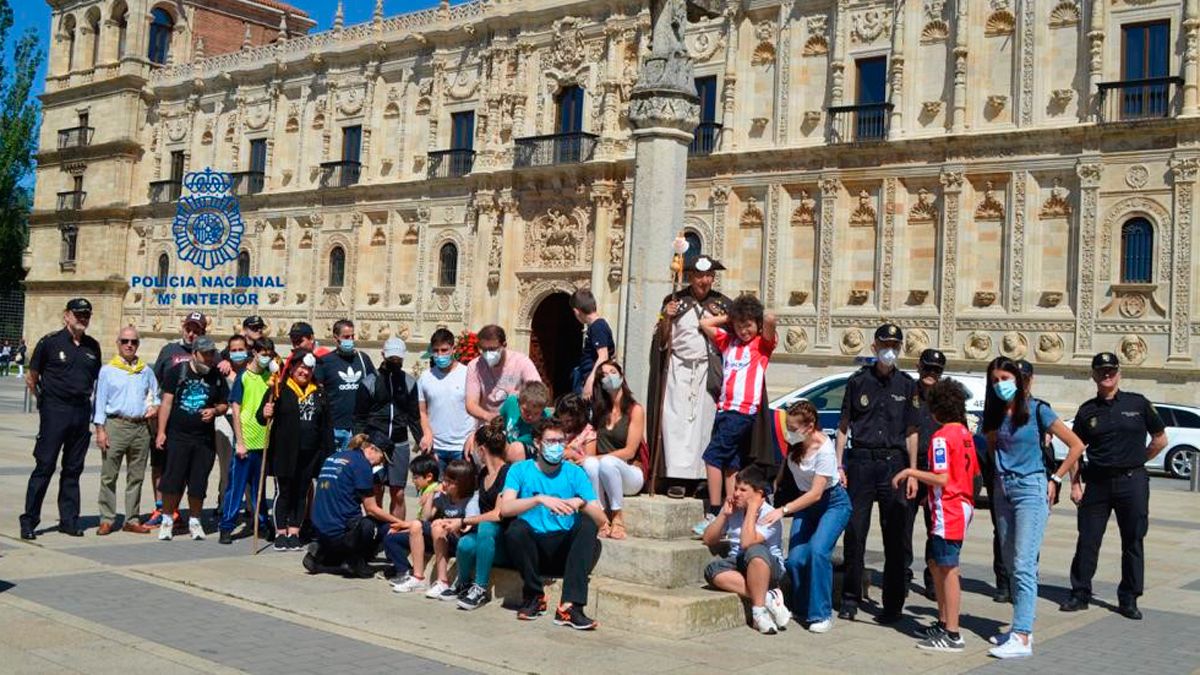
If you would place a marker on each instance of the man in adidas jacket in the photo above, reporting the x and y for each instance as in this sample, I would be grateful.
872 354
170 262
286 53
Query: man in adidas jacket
340 372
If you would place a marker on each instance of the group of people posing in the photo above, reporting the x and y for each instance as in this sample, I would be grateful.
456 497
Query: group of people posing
507 476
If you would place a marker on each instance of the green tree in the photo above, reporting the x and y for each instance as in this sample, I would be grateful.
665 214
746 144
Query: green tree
18 139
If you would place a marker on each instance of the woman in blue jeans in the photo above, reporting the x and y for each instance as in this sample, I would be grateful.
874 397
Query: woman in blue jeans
1014 424
819 515
483 547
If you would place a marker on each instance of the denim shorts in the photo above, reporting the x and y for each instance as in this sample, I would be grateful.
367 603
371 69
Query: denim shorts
739 563
730 439
944 552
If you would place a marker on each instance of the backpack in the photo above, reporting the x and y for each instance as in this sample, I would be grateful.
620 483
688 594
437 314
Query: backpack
1048 459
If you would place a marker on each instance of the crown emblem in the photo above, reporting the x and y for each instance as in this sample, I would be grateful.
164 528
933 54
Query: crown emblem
208 182
208 223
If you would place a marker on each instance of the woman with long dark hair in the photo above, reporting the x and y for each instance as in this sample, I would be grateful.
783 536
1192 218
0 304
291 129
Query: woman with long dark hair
301 438
615 465
1023 494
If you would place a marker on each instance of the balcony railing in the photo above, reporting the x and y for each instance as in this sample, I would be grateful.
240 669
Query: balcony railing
705 141
248 183
1130 100
859 123
451 163
71 201
75 137
340 174
570 148
165 191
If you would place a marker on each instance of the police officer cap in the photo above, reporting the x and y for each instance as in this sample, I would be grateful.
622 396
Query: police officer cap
933 358
1105 360
79 306
254 322
204 345
1025 367
704 263
300 329
889 332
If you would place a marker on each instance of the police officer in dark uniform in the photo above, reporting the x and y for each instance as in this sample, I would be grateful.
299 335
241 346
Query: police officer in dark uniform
62 375
1114 425
879 412
930 367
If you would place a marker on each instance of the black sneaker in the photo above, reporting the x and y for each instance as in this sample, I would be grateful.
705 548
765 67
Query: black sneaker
477 596
573 617
282 543
452 593
226 537
294 544
310 561
532 609
1074 604
942 642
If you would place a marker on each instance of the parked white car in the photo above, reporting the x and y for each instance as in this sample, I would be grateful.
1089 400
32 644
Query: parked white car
1183 440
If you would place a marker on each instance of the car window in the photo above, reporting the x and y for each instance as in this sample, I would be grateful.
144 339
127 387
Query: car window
1167 415
1185 418
828 396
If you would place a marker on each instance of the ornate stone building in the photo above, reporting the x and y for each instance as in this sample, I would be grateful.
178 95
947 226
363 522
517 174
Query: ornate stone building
996 176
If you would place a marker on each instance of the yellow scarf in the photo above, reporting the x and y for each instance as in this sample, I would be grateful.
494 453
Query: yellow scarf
137 367
301 394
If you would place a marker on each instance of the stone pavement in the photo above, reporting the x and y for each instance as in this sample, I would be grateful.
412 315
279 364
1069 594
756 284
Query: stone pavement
129 604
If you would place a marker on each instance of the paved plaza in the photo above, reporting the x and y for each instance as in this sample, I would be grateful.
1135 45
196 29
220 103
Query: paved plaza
129 604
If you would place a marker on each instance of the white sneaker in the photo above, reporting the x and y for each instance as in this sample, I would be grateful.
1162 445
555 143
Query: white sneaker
999 638
165 528
435 591
410 584
821 626
1013 648
763 622
780 614
700 527
195 529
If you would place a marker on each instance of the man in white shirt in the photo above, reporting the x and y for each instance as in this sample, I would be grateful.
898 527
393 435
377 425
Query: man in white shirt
441 396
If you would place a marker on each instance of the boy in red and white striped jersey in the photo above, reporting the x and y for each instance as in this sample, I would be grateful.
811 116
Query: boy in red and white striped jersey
746 339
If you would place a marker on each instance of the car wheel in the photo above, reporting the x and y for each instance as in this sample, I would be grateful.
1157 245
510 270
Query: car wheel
1179 461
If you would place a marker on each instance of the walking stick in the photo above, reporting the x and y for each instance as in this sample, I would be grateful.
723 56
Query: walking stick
262 470
680 246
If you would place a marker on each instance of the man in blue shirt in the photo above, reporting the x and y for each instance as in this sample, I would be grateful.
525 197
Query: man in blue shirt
346 539
544 497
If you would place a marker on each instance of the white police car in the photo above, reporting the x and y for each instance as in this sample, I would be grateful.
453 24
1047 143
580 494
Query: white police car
1183 440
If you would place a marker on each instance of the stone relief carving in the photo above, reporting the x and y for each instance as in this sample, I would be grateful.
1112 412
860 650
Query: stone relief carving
752 215
703 46
1057 204
558 239
923 211
817 43
978 346
424 97
859 297
852 342
1014 345
870 25
805 213
1049 348
989 208
795 341
934 31
1133 301
1133 350
462 85
378 238
1060 98
864 215
916 340
984 298
1137 176
764 52
1000 22
350 100
1064 14
930 109
568 51
280 243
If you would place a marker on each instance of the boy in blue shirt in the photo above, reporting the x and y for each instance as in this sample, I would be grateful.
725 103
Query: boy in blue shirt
544 496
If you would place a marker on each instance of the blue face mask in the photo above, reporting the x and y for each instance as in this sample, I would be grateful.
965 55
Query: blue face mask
443 361
346 345
552 453
1005 389
238 357
264 362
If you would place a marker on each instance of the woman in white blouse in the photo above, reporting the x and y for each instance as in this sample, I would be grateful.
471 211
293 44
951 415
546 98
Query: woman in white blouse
819 515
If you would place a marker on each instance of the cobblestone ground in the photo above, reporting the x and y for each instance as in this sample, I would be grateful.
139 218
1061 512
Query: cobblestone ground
129 604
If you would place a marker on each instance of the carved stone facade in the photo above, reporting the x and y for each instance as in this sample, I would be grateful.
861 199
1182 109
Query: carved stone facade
991 221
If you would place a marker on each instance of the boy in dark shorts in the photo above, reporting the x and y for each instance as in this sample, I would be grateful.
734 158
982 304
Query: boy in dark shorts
416 537
746 339
194 394
951 482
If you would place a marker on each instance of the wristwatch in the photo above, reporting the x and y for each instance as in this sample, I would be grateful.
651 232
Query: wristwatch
1056 478
784 509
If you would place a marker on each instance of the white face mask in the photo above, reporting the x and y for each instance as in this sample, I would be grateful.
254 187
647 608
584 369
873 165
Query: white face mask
887 357
492 358
794 437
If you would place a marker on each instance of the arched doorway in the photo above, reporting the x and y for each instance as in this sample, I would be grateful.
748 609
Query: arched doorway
556 342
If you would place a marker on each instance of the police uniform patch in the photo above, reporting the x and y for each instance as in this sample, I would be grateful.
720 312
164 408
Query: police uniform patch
940 461
62 356
864 401
208 223
1092 423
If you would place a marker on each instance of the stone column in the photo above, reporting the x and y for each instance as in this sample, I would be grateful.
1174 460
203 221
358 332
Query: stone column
1191 58
1183 175
1089 171
831 187
1015 293
729 81
1096 63
958 108
952 183
664 111
896 124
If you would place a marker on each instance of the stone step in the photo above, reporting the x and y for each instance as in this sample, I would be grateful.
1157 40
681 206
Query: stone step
661 517
653 562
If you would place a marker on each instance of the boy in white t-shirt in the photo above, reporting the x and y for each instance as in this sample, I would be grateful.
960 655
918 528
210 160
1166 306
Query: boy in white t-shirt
754 565
441 395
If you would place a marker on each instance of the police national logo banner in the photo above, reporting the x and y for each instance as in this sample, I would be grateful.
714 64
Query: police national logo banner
208 224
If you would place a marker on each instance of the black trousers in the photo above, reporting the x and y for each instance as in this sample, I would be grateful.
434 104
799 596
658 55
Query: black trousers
921 503
869 482
61 429
572 552
291 496
1126 493
360 543
998 568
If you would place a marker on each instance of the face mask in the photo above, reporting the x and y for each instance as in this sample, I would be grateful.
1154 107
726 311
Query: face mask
346 345
265 361
376 470
1005 389
794 437
201 368
612 383
274 367
492 358
238 357
887 357
552 453
443 361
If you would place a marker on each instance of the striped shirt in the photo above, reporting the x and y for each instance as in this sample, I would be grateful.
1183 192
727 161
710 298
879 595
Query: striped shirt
745 371
951 507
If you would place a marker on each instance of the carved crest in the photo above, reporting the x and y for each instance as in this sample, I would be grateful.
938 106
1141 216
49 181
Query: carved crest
752 216
805 214
462 85
568 51
923 211
702 46
864 215
1056 205
1064 14
989 208
870 25
558 239
350 100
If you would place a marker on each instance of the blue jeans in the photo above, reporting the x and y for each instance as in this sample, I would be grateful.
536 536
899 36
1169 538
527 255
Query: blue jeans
1021 514
341 439
478 552
243 471
815 532
444 457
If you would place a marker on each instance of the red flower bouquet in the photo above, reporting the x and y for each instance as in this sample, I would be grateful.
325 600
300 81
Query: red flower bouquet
466 347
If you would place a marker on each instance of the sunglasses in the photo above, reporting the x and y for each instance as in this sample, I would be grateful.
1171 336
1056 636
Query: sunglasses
127 341
1107 373
934 370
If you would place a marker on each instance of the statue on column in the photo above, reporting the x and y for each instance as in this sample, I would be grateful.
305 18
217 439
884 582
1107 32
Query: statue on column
665 95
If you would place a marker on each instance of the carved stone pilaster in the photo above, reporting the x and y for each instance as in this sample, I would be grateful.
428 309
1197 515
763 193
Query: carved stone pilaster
1089 172
1183 175
952 182
1016 246
896 126
785 72
1028 28
1096 61
887 244
1191 58
958 110
830 189
771 244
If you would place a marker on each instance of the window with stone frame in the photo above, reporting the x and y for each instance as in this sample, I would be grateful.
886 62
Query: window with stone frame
448 265
70 244
1137 251
162 25
337 267
164 267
